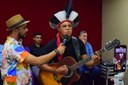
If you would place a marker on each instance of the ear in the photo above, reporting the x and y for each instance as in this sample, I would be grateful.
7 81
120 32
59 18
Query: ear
15 30
34 38
79 37
58 29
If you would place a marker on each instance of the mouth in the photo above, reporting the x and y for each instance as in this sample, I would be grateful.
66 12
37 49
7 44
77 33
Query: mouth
68 34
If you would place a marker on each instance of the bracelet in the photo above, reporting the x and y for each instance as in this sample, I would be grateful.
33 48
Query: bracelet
57 52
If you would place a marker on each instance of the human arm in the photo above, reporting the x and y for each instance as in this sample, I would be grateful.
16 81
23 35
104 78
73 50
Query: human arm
31 59
95 58
59 70
94 61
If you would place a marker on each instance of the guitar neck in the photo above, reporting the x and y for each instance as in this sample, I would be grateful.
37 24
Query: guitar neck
83 61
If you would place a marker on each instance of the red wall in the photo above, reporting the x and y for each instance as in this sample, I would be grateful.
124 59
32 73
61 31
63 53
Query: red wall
40 11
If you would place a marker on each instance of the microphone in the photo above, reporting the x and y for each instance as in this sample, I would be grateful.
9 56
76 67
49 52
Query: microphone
65 37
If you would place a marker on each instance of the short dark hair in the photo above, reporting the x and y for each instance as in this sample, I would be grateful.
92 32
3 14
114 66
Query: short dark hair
37 33
83 31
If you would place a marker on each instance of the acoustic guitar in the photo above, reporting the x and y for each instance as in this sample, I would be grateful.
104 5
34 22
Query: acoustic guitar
48 78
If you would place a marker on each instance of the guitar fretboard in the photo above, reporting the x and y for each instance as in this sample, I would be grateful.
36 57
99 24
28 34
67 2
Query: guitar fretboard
82 62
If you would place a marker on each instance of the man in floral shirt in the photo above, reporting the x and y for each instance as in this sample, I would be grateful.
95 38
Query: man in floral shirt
15 62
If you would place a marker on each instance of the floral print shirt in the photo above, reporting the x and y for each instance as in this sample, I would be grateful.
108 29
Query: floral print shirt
14 70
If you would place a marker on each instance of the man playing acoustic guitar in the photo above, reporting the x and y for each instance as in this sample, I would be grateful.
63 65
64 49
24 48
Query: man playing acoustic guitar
64 21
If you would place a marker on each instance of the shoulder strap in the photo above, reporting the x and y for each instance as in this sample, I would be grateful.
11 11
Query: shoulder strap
76 47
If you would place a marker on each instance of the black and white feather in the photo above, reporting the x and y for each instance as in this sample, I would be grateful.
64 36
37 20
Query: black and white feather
67 14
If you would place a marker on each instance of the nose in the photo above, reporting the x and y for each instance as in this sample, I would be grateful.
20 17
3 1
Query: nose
67 27
40 39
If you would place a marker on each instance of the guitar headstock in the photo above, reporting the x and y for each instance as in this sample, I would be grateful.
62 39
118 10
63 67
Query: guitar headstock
112 44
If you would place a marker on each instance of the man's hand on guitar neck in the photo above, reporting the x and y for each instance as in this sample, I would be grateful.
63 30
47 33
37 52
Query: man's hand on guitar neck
94 61
61 70
96 58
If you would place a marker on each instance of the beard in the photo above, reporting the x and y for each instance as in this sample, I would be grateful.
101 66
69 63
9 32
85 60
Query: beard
21 36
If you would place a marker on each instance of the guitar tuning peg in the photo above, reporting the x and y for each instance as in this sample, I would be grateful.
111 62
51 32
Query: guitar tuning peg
110 41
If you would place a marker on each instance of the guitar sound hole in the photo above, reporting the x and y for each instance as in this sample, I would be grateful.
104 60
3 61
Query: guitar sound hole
69 74
64 80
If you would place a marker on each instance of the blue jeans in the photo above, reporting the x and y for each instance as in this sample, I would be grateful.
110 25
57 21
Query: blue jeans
35 73
89 74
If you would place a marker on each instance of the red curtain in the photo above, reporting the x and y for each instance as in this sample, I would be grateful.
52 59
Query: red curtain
40 11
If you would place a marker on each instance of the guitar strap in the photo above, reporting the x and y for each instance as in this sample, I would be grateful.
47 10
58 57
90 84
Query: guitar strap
77 51
76 47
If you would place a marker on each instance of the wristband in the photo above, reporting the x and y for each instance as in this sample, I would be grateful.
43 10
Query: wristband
57 52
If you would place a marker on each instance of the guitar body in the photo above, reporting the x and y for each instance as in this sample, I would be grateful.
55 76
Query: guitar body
48 78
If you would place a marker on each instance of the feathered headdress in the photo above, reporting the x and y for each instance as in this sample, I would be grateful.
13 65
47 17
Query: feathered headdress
65 15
